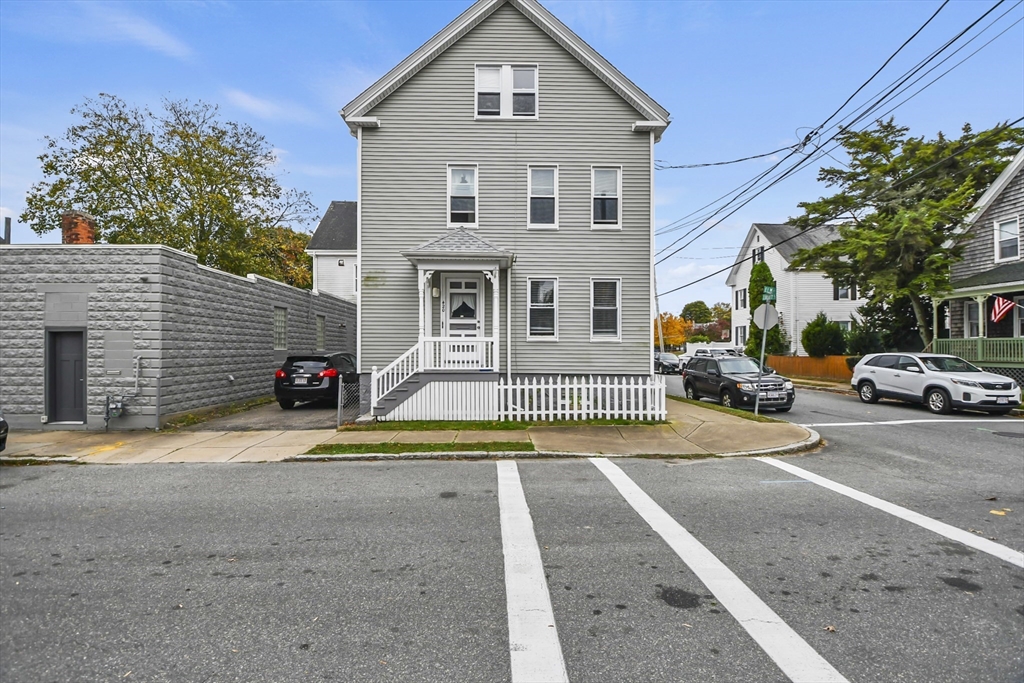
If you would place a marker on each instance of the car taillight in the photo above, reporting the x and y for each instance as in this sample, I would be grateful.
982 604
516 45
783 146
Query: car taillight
329 372
280 374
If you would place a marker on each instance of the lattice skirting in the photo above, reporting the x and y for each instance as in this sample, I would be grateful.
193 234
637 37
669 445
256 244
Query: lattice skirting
1014 373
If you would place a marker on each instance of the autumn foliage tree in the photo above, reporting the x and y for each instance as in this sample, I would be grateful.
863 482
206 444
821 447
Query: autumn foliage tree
675 328
182 177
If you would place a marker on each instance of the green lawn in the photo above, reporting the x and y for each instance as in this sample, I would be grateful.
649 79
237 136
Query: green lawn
488 446
437 425
745 414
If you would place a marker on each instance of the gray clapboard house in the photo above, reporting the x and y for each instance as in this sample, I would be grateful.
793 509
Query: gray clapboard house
992 265
505 214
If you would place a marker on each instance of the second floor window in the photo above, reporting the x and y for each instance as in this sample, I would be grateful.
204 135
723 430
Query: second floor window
758 254
543 197
843 292
606 197
1008 240
462 195
741 298
506 91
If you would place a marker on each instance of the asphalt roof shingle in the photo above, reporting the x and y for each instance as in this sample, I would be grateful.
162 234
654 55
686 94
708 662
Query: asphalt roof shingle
337 229
777 233
1002 274
458 240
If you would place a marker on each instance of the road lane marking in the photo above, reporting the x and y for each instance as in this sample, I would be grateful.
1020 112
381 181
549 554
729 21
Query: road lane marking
532 636
905 422
967 538
798 660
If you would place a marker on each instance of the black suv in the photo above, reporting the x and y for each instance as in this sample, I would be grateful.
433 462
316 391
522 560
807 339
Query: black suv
732 380
313 377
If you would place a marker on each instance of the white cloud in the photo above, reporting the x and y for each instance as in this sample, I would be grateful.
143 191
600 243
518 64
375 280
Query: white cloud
269 110
115 25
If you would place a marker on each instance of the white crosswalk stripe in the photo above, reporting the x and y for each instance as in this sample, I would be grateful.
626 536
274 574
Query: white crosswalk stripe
797 659
533 636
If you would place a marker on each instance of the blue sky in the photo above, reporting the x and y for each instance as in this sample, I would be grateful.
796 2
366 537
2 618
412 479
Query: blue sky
740 78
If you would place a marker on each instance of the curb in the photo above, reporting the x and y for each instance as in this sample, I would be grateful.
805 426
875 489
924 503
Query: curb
811 442
830 390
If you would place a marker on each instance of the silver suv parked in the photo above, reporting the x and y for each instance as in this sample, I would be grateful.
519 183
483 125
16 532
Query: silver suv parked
940 382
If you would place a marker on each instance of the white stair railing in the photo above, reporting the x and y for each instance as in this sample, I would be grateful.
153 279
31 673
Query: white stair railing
399 370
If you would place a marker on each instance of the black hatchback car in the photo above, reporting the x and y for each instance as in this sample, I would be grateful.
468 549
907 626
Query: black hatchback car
313 377
732 382
666 363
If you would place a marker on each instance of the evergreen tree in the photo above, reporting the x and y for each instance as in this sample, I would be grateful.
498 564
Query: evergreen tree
761 277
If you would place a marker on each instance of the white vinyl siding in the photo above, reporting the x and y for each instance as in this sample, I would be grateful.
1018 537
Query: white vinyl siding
430 122
506 91
605 302
606 190
1007 240
542 317
543 198
335 273
280 328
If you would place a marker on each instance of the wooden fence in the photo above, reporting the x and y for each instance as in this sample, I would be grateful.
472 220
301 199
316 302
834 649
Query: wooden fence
828 367
582 398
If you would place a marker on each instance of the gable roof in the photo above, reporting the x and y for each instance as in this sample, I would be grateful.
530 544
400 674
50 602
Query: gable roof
786 239
337 229
657 116
998 185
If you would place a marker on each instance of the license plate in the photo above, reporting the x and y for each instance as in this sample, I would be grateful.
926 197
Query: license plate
1002 399
775 394
300 380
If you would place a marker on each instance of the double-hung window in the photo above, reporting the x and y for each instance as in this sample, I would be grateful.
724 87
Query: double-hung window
758 255
741 298
462 195
1008 240
605 303
843 292
972 322
506 91
543 311
543 192
607 188
280 328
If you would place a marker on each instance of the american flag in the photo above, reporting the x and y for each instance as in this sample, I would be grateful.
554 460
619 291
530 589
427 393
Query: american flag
1000 307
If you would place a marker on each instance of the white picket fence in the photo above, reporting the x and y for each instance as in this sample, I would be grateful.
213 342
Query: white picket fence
452 400
582 398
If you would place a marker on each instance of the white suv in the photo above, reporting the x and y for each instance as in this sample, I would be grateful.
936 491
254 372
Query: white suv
940 382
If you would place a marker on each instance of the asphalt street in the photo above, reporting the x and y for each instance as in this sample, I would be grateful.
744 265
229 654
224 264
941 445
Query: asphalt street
406 572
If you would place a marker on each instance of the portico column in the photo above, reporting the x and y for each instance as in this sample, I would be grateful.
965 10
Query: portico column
419 287
495 298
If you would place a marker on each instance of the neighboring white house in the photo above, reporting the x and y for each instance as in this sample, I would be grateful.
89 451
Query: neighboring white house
333 248
802 294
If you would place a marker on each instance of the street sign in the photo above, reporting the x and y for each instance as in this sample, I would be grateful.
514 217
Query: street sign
769 294
765 316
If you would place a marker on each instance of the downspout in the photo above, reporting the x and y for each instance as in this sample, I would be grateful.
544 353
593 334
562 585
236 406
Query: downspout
508 322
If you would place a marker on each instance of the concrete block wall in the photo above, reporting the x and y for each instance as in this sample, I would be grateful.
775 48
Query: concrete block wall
97 288
189 326
218 326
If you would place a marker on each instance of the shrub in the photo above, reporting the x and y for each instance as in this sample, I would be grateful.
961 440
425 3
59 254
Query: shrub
861 340
699 339
851 361
823 337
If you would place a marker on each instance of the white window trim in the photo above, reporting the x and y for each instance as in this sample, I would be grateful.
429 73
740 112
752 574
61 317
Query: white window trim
506 92
618 293
967 319
529 196
605 226
529 305
448 196
995 240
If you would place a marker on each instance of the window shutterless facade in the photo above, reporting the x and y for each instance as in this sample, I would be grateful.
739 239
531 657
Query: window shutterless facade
506 91
543 309
605 309
543 194
462 196
606 189
280 328
1008 240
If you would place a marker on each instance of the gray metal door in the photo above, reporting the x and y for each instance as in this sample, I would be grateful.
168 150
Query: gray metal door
67 376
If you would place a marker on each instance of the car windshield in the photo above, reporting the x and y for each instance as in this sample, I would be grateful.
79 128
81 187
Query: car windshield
947 364
738 366
668 356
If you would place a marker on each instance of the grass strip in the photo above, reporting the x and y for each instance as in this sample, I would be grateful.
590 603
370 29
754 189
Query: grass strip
389 447
463 425
745 414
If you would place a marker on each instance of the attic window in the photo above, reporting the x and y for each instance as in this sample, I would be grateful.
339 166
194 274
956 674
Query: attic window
506 91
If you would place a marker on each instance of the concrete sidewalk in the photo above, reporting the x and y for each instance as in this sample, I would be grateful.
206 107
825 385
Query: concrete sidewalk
691 430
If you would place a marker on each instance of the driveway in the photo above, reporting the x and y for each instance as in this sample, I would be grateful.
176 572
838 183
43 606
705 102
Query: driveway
273 417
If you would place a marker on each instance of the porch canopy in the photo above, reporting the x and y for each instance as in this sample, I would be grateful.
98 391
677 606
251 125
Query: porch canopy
463 251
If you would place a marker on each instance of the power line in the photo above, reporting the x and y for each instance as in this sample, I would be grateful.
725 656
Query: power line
866 110
824 221
661 166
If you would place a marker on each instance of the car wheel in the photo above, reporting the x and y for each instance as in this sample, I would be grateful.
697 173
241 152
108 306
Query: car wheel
286 403
784 410
727 400
691 393
938 401
866 391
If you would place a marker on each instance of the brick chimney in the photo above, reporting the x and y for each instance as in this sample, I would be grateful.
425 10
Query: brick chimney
77 227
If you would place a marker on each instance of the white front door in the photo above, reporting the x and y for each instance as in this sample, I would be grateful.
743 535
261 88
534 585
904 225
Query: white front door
462 316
